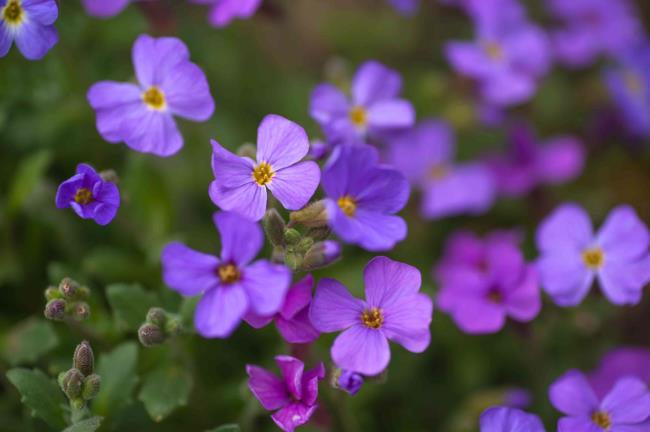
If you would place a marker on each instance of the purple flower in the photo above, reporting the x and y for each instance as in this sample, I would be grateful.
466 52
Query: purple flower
231 285
104 8
593 28
142 115
30 23
362 198
572 256
350 382
484 282
623 409
617 364
393 310
527 164
405 7
517 398
425 155
240 183
293 397
225 11
373 110
292 321
89 195
504 419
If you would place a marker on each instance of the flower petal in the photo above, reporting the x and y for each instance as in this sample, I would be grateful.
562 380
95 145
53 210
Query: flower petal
281 142
397 113
187 92
561 159
249 200
622 282
385 190
154 132
230 170
375 82
572 395
524 302
266 285
565 278
294 186
241 239
220 311
153 58
291 369
567 228
297 330
267 388
298 297
292 416
67 190
187 271
371 230
506 419
628 401
328 103
583 423
362 350
114 102
34 40
310 383
407 320
45 12
103 8
387 281
623 236
333 308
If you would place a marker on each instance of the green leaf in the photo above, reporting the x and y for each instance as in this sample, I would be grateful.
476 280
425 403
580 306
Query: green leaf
130 304
28 341
41 394
226 428
119 378
89 425
30 171
165 389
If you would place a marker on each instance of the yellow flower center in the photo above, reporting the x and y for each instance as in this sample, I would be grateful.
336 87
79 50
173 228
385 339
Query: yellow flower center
493 50
372 318
228 273
154 98
633 82
263 174
359 117
83 196
602 419
13 13
348 205
495 297
438 172
593 258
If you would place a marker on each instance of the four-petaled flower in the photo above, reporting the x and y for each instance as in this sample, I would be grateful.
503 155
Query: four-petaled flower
29 23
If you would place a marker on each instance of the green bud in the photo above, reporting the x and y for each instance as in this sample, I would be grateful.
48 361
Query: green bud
151 335
304 244
247 150
84 359
80 311
71 383
68 288
52 293
293 260
312 216
274 227
277 256
91 386
321 254
78 403
55 310
109 176
320 233
292 236
157 316
174 326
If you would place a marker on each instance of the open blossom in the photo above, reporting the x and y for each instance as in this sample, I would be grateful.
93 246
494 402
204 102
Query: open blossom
293 397
527 164
425 155
363 197
394 310
618 363
483 282
572 256
240 183
30 24
504 419
223 12
374 109
625 408
231 285
90 196
292 321
104 8
142 115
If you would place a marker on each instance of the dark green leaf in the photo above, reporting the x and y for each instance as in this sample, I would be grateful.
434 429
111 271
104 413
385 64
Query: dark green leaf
30 171
165 389
89 425
28 341
41 394
117 370
130 304
226 428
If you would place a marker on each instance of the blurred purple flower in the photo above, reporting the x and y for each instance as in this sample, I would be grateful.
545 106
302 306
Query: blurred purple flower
425 155
504 419
292 321
104 8
292 397
492 282
625 408
374 109
363 197
572 256
29 23
230 285
89 195
350 382
142 116
617 364
517 398
225 11
393 310
405 7
240 183
528 164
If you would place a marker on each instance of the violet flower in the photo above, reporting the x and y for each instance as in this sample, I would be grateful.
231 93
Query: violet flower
625 408
89 195
618 363
142 115
231 285
350 382
104 8
292 397
425 155
394 310
292 321
240 183
405 7
223 12
374 109
29 23
363 197
504 419
572 256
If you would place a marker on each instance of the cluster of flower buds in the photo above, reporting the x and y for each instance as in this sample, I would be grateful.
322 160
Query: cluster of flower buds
159 326
80 384
68 300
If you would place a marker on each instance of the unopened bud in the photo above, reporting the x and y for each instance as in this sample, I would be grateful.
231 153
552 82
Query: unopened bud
321 254
91 386
292 236
157 316
274 227
151 335
55 310
52 293
350 382
318 150
304 244
71 383
109 176
293 260
68 288
84 359
78 403
320 233
313 216
247 150
81 311
277 256
174 326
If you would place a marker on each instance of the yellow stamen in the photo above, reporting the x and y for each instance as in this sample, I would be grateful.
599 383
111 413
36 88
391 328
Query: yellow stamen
228 273
495 297
493 50
263 173
348 205
83 196
154 98
359 117
438 172
594 258
602 419
13 13
372 318
633 82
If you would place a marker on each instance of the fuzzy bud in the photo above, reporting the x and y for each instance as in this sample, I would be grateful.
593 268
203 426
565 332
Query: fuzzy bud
321 254
320 233
52 293
151 335
247 150
68 288
84 359
81 311
55 309
78 403
174 326
157 316
292 236
277 256
293 260
109 176
91 386
312 216
274 227
71 383
304 244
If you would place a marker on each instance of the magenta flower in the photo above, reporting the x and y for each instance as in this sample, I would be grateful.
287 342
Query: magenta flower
231 285
626 408
504 419
104 8
373 110
293 397
394 310
29 23
405 7
484 282
223 12
292 321
528 164
142 115
240 183
89 195
350 382
363 197
572 256
617 364
425 155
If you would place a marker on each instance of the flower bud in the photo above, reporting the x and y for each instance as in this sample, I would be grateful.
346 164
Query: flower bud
274 227
81 311
350 382
247 150
84 359
313 216
304 244
71 383
277 256
292 236
109 176
55 309
78 403
68 288
321 254
174 326
157 316
293 260
151 335
91 386
52 293
318 150
320 233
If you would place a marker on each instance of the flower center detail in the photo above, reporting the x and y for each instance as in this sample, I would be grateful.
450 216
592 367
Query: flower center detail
633 82
348 205
12 12
372 318
228 273
495 296
493 50
438 172
359 117
602 419
154 98
263 173
83 196
593 258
